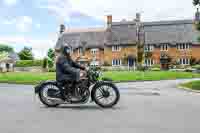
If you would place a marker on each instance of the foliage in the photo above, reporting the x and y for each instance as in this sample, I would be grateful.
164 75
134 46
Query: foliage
28 63
44 63
196 67
106 63
51 57
193 61
142 68
196 2
140 56
26 54
52 70
6 48
148 54
3 55
155 67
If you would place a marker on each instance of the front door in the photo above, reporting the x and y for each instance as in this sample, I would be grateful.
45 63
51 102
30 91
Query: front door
131 62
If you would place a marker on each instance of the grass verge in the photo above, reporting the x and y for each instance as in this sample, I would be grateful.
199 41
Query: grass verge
193 85
118 76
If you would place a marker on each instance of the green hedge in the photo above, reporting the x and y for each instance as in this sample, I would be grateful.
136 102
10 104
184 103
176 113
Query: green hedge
196 67
28 63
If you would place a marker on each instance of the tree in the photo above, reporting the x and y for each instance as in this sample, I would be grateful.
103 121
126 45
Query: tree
26 54
51 57
196 2
6 48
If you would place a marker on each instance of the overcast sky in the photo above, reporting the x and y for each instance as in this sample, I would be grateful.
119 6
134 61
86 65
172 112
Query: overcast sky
35 23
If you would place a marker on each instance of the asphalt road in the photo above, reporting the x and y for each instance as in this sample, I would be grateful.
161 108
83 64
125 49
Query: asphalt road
145 107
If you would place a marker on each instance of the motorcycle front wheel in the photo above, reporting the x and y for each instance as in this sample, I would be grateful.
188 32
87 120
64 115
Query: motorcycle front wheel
106 95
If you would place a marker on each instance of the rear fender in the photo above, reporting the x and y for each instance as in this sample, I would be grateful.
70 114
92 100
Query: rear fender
42 84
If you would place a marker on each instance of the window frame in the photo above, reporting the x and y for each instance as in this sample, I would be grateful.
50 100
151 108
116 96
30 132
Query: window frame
164 47
116 48
149 62
184 61
116 62
148 47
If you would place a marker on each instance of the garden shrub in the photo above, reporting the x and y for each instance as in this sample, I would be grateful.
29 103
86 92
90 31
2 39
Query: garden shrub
28 63
52 70
196 67
155 69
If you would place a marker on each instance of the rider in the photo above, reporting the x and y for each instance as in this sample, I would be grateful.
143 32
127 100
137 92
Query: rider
66 68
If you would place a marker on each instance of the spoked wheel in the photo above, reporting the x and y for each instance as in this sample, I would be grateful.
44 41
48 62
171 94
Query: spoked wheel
45 95
106 95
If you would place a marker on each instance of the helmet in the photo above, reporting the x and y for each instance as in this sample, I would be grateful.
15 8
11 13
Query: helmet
66 49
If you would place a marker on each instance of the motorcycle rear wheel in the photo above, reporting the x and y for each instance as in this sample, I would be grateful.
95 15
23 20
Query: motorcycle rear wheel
43 98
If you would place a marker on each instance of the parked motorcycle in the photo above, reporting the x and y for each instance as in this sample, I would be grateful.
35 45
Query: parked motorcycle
101 91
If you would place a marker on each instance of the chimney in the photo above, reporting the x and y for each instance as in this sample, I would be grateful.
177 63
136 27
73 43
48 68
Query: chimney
197 15
138 17
62 28
109 21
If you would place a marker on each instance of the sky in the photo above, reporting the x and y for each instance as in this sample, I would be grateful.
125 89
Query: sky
35 23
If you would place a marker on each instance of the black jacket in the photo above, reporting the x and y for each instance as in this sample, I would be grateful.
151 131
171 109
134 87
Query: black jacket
67 69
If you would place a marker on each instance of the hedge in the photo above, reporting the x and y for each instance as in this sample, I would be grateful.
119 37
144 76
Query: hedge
28 63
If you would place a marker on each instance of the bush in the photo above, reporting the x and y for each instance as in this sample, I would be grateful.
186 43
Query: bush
156 66
106 64
196 67
28 63
155 69
44 63
52 70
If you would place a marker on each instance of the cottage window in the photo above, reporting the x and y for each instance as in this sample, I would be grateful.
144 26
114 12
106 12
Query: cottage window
80 51
164 47
116 48
116 62
184 61
94 51
148 48
183 46
149 62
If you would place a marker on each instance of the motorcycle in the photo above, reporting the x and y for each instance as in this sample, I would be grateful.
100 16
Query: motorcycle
102 91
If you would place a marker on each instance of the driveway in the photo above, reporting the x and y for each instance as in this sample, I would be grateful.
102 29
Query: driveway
145 107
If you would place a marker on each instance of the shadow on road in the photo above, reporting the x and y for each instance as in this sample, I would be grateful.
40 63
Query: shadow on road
81 107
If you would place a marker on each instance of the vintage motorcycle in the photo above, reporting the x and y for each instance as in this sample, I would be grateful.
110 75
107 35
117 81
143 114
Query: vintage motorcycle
102 91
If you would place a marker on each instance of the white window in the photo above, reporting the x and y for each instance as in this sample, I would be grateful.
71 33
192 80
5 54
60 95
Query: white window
184 61
80 51
116 48
149 62
164 47
148 48
183 46
71 50
116 62
94 51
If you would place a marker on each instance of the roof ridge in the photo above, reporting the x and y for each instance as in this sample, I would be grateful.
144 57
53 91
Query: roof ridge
83 30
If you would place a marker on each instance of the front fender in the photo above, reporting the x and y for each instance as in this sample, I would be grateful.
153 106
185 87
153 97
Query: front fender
43 83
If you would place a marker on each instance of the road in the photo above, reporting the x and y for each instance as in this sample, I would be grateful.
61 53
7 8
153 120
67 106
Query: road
145 107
